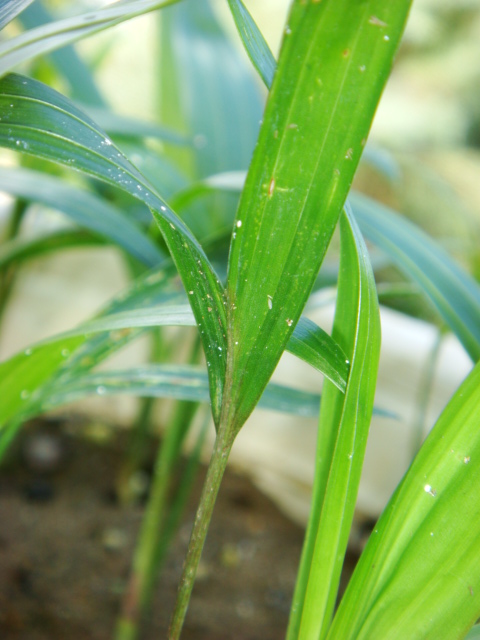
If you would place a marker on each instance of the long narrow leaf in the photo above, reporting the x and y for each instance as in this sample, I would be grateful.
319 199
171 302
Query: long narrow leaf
52 36
257 49
343 430
83 207
419 576
455 294
43 123
309 146
23 249
180 382
9 9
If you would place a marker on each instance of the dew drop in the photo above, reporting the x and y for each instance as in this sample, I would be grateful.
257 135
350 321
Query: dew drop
163 208
238 224
270 301
28 352
429 489
466 460
289 322
101 391
386 38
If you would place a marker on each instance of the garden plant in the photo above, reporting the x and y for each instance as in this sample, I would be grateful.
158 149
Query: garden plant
224 225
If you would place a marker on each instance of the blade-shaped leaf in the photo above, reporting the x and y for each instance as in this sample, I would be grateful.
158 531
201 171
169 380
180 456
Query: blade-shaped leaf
342 438
23 249
455 294
176 381
335 56
67 62
419 576
45 124
54 35
83 207
254 42
9 9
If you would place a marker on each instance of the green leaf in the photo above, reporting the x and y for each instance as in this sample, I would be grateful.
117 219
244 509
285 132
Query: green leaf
119 125
83 207
212 97
179 382
342 438
419 576
74 72
9 9
43 123
335 56
474 633
22 377
54 35
21 249
257 49
454 293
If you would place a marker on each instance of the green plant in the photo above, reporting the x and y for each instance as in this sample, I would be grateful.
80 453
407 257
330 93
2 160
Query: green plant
334 62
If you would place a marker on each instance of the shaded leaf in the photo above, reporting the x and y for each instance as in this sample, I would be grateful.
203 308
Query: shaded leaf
45 124
180 382
83 207
454 293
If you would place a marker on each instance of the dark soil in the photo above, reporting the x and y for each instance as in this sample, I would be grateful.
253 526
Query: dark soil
66 545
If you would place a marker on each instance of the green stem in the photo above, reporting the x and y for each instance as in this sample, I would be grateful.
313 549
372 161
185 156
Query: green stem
216 469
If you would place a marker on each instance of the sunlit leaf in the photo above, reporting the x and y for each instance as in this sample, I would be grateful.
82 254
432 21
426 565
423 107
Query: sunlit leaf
342 438
309 146
419 576
49 37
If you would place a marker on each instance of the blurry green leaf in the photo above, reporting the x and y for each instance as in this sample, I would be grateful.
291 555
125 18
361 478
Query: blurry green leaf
474 633
52 36
119 125
66 61
309 147
22 377
342 438
257 49
83 207
454 293
176 381
43 123
21 249
208 90
419 576
9 9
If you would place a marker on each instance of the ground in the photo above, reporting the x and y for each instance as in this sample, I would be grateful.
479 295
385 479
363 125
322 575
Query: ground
66 545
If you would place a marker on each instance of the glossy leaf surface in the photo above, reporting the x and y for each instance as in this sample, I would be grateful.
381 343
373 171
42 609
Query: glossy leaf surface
342 438
335 56
43 123
419 576
180 382
49 37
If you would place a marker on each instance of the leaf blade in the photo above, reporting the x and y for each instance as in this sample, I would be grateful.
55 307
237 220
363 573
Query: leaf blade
297 183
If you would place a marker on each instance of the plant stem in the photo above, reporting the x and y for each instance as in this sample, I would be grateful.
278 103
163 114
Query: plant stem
216 469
